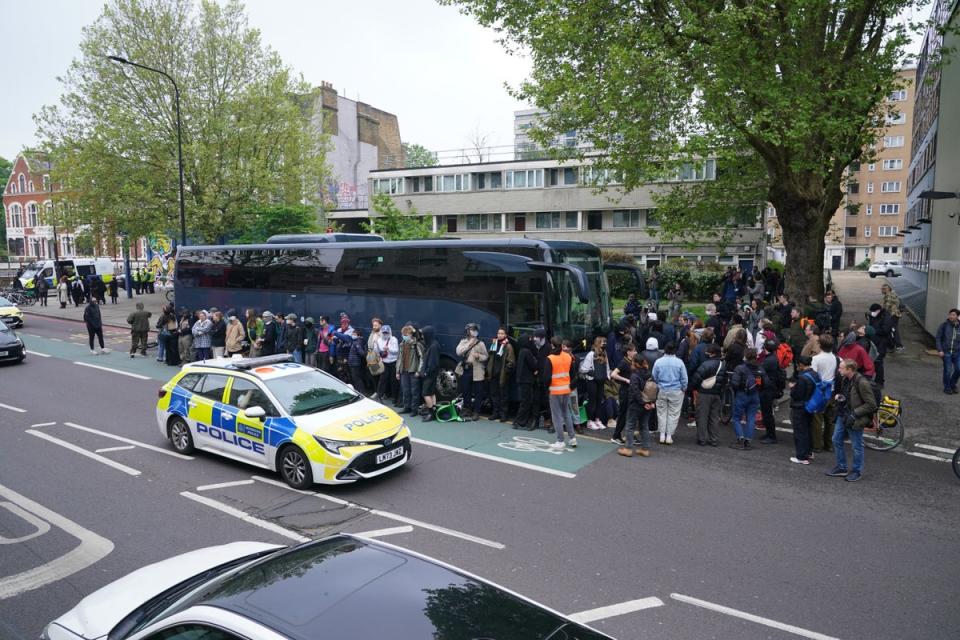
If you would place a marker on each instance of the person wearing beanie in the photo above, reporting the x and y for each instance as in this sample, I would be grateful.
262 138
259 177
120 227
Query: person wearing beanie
651 352
235 334
309 343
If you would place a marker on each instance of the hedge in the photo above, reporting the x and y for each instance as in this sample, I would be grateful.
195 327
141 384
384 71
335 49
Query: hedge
698 280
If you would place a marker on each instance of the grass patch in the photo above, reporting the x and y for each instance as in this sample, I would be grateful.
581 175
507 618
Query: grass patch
696 308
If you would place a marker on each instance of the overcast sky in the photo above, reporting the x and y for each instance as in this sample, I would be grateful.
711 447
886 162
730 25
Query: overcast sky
437 70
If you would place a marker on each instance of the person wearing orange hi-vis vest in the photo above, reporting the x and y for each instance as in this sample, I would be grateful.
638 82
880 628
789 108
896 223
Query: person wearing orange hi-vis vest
558 376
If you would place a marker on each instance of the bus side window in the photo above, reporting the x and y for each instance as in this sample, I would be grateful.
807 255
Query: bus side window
524 311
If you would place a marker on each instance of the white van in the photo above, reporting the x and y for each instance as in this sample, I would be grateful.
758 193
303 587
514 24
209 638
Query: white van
69 267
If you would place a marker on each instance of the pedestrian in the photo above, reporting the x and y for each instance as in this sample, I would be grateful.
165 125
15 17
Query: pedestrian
63 292
280 342
675 296
894 309
541 390
501 362
633 306
267 340
883 337
325 344
595 371
747 381
389 350
309 343
218 332
621 375
708 380
113 287
671 377
76 290
851 349
795 334
801 390
856 406
652 280
835 311
567 346
94 324
473 354
139 322
638 410
356 359
136 281
409 370
341 348
254 333
652 352
234 335
42 289
98 289
168 336
161 338
558 371
526 381
430 369
811 347
948 348
293 343
201 331
821 425
768 395
735 348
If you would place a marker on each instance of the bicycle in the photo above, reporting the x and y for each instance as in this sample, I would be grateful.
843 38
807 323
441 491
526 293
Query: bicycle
18 298
956 463
886 433
726 404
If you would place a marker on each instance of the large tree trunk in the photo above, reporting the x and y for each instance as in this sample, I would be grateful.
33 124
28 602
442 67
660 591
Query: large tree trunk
804 228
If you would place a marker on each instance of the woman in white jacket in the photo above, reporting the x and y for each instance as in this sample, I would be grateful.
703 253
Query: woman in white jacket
596 371
389 349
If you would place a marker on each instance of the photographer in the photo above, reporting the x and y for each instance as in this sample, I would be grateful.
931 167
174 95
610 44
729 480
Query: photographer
856 405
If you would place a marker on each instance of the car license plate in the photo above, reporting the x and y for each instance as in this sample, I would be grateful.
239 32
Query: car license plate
4 353
389 455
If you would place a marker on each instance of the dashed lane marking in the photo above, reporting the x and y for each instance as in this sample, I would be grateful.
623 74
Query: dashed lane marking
930 447
123 373
92 548
136 443
42 424
927 456
223 485
89 454
379 533
619 609
38 354
109 449
487 456
12 408
246 517
719 608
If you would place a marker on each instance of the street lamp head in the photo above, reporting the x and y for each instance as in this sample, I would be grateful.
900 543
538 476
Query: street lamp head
938 195
118 59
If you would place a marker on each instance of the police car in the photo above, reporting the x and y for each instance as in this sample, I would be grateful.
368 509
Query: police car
279 415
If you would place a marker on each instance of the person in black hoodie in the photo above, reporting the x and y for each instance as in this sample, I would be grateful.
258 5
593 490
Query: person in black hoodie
526 378
883 337
541 399
800 392
94 322
293 341
711 372
771 365
431 368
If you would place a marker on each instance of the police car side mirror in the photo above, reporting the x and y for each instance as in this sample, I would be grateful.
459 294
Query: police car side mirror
254 412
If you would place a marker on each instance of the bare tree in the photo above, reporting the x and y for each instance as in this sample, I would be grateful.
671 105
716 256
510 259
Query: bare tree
478 145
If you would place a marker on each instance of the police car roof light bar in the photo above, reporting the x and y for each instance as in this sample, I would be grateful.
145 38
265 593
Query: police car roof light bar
252 363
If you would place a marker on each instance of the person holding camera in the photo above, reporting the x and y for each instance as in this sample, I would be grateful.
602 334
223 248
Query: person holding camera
856 405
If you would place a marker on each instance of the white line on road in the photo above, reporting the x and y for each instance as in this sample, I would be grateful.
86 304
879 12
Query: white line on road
12 408
930 447
37 353
72 447
246 517
123 373
40 526
136 443
386 514
223 485
719 608
379 533
57 339
109 449
91 549
42 424
612 610
927 456
487 456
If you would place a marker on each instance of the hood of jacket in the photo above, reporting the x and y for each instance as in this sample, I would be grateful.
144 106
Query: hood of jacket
427 333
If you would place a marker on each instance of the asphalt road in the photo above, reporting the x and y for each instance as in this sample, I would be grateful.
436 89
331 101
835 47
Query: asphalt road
781 550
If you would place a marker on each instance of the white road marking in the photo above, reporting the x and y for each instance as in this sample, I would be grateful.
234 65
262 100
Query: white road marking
927 456
487 456
612 610
57 339
785 430
386 514
136 443
246 517
379 533
40 526
12 408
789 628
786 422
123 373
42 424
92 548
108 449
222 485
930 447
37 353
89 454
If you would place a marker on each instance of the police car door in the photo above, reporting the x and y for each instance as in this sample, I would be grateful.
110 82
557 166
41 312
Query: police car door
247 433
204 408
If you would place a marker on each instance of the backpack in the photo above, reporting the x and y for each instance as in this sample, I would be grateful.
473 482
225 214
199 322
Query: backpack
650 391
784 355
752 382
374 363
822 392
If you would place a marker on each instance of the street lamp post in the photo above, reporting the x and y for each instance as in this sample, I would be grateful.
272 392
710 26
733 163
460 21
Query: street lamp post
176 99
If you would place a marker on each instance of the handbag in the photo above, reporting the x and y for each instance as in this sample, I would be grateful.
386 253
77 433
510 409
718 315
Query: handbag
711 382
374 364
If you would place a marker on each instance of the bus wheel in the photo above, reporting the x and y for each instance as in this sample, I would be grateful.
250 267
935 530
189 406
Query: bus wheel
446 381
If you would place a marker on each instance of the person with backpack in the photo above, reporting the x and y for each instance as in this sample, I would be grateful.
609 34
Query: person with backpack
670 374
856 404
825 364
708 381
883 337
948 348
795 334
768 395
747 380
526 379
808 395
638 409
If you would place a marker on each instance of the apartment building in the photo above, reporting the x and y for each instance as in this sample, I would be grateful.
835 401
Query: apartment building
552 200
27 196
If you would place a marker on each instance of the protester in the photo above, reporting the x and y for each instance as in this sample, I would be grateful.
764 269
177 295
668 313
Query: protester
500 364
430 369
850 349
234 335
42 289
526 378
63 292
185 336
325 350
800 391
409 371
671 377
835 311
293 340
94 324
267 340
768 395
574 398
883 338
253 329
388 348
201 335
812 345
948 348
356 358
821 425
638 410
675 296
595 372
856 405
747 381
167 336
139 322
891 304
310 343
473 355
708 382
558 371
218 333
621 375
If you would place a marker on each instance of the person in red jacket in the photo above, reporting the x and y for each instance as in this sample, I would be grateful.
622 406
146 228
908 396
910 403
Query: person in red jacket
850 350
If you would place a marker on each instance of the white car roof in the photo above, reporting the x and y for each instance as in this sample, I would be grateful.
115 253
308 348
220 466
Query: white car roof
264 368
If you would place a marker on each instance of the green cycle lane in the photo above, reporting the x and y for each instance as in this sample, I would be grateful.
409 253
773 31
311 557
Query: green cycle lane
484 439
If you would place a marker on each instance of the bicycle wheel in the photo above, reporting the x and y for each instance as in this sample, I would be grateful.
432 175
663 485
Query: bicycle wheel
886 432
726 405
169 295
956 463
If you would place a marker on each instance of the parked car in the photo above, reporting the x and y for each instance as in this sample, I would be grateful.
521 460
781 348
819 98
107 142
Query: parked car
10 313
11 346
889 268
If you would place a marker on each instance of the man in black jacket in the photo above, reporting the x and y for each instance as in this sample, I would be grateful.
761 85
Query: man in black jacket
835 308
882 324
94 323
708 399
526 378
768 395
857 406
800 392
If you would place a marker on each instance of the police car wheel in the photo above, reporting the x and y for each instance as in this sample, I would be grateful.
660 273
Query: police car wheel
180 436
295 468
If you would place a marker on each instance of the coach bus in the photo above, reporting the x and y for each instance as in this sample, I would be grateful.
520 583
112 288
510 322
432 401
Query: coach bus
524 284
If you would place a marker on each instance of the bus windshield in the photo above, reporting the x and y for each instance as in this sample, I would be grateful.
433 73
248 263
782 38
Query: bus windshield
572 318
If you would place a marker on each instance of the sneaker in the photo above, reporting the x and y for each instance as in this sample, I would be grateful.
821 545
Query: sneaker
557 446
838 472
375 397
738 444
799 461
643 453
573 443
133 355
747 445
692 424
626 453
954 390
663 438
900 348
619 441
105 350
669 440
94 352
853 477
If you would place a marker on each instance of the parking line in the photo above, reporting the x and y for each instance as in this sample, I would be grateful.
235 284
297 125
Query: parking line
109 449
93 456
223 485
42 424
136 443
927 456
487 456
12 408
379 533
719 608
930 447
246 517
123 373
40 526
613 610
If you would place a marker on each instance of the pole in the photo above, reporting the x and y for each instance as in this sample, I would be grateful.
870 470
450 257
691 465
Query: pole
128 285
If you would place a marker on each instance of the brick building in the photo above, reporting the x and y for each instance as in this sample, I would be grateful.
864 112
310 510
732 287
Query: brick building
26 198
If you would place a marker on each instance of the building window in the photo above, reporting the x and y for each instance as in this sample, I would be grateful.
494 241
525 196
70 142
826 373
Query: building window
66 245
23 183
871 167
624 218
892 186
851 232
33 219
898 96
892 141
867 231
869 208
652 219
524 179
16 216
594 176
390 186
892 165
477 222
557 220
451 224
888 232
897 118
889 209
46 183
853 187
450 183
854 166
869 187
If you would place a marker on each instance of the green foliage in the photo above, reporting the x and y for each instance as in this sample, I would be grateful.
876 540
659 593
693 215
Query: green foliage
6 166
278 219
247 142
415 155
699 282
863 265
393 224
784 96
776 265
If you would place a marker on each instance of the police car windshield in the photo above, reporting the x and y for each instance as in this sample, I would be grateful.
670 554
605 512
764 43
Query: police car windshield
310 392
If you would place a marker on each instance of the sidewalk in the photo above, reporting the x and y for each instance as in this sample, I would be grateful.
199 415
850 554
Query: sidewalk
114 315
